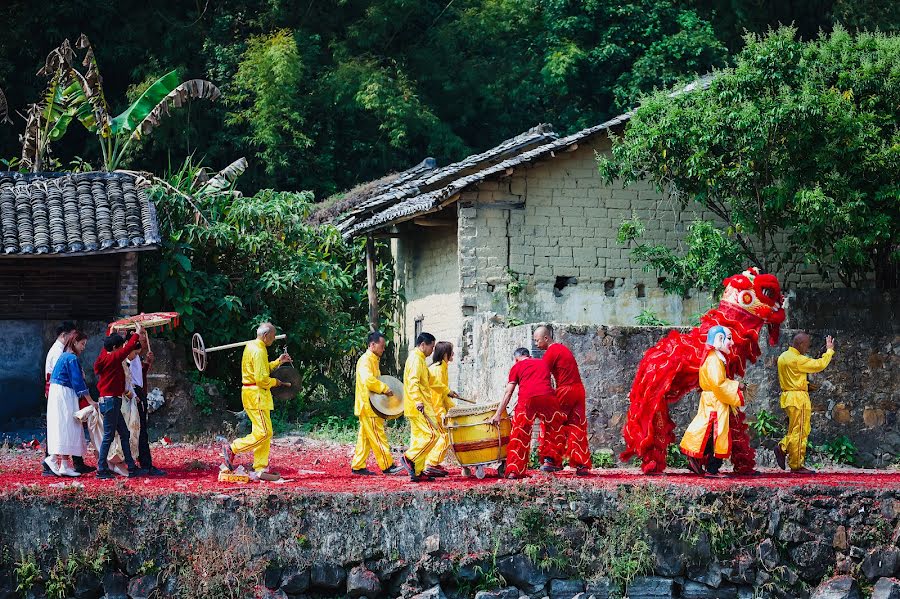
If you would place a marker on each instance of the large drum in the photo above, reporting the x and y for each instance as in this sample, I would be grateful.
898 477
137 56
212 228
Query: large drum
474 442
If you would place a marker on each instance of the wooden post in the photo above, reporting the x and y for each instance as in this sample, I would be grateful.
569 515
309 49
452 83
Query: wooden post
370 275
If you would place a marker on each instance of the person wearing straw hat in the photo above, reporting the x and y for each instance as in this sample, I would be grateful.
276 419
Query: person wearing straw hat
256 396
441 401
371 437
416 394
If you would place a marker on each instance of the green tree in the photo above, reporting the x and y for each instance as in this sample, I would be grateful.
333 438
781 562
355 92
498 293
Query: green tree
228 262
794 150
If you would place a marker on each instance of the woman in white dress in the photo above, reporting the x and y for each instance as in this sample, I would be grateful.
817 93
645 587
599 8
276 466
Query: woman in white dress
65 436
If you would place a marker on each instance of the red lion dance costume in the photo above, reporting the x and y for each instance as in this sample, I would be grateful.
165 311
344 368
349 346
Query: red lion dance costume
670 369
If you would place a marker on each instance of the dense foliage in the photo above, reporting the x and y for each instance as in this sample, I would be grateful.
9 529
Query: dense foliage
795 150
328 94
229 262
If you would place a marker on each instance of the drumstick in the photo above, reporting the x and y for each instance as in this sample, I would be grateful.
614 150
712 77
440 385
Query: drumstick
466 400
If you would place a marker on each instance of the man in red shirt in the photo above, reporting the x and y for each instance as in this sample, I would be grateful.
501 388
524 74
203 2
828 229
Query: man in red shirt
111 386
536 400
570 440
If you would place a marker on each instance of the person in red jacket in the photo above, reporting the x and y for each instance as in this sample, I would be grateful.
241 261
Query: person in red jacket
111 387
536 400
571 440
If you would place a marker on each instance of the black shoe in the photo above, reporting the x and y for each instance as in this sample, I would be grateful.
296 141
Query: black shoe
394 469
583 471
46 471
550 466
422 478
434 472
408 466
105 474
362 471
780 457
695 466
154 471
80 466
135 472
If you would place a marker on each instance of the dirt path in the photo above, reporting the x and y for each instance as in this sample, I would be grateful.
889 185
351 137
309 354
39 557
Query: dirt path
312 466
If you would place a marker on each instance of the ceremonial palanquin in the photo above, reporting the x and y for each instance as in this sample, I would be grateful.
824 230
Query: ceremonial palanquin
670 369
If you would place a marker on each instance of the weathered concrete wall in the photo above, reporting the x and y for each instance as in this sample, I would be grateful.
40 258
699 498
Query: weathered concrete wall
859 395
543 539
23 351
428 272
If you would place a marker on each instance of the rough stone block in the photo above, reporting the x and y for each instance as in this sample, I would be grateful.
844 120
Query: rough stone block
295 580
142 587
651 587
603 588
363 582
839 587
886 588
434 592
565 589
327 576
767 554
697 590
881 562
507 593
87 586
115 585
521 572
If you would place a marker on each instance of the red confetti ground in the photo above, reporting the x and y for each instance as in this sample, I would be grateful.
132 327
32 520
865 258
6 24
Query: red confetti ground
314 467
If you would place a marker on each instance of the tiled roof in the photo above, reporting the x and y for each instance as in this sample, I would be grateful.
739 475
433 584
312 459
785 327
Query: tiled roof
403 201
74 213
414 184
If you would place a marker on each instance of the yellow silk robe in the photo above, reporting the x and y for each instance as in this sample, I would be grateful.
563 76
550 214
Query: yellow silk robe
371 437
257 400
440 403
417 389
718 397
792 370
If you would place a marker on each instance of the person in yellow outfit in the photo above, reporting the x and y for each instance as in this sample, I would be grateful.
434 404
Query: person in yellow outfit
707 436
793 366
441 401
416 395
371 436
257 400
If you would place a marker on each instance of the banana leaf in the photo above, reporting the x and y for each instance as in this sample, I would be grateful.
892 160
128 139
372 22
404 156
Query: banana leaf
190 89
138 111
4 109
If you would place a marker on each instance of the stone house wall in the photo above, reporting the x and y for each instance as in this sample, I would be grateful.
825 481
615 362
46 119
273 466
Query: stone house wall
428 273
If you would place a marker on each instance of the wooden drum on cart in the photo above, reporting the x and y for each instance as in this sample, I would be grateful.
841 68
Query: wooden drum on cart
475 443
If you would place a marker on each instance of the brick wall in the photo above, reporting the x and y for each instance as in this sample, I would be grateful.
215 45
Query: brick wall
428 271
59 288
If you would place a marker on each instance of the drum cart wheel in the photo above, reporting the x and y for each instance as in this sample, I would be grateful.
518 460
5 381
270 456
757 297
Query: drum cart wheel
466 471
479 472
501 469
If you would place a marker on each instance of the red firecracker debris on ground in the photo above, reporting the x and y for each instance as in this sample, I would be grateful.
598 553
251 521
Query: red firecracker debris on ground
314 467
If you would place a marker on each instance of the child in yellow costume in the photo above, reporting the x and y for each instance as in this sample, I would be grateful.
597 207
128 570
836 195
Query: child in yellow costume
793 366
371 436
708 435
257 400
416 395
441 401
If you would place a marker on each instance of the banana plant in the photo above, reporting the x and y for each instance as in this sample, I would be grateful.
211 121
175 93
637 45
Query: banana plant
73 96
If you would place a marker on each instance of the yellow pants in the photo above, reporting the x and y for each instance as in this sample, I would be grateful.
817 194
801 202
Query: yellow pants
438 453
794 443
372 438
258 441
422 439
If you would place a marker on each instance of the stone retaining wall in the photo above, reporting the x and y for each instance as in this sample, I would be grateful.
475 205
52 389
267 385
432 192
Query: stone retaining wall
547 539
